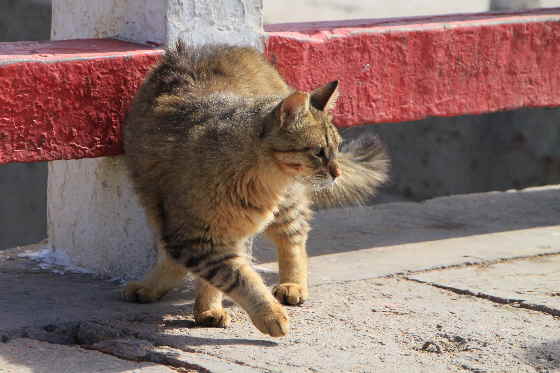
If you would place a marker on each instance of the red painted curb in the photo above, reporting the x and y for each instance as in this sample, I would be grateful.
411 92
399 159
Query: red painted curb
403 70
67 99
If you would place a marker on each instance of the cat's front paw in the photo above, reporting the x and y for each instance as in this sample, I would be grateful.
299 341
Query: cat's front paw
273 322
290 294
139 293
215 318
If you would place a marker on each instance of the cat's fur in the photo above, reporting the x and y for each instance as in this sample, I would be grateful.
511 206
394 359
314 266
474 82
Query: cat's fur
220 148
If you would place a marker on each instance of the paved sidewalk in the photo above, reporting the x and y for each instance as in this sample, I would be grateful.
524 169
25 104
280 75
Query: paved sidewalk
455 284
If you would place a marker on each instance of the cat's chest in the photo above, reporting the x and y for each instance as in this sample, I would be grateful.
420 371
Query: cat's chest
240 222
248 213
264 221
259 218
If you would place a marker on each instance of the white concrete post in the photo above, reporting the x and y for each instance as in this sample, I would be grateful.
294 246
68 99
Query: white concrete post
93 213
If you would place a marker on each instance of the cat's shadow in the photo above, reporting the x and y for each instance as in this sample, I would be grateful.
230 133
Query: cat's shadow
179 303
187 340
168 331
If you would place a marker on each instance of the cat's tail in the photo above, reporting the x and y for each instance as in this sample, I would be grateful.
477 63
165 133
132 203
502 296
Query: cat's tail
364 167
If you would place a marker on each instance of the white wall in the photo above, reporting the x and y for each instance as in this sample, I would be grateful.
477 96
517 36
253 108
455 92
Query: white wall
278 11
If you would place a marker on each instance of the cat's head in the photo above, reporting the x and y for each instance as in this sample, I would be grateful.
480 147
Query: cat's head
303 141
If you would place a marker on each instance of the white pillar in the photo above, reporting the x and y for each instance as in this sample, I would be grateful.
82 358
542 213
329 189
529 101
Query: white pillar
93 213
162 21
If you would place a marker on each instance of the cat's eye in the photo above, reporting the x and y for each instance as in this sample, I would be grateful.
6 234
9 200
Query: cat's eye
320 153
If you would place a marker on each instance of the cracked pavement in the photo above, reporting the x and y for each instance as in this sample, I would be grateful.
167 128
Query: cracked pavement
463 284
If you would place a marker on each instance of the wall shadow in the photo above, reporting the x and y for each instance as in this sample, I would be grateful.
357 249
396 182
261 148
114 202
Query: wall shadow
341 230
79 310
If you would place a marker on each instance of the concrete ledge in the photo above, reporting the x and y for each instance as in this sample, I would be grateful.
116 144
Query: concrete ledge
390 71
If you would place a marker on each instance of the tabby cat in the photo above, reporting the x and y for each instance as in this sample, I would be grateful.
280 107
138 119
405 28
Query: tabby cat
220 148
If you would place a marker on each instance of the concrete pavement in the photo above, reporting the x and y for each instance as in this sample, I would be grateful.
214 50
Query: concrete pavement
455 284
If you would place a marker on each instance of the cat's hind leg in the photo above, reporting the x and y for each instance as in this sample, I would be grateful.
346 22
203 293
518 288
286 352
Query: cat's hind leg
289 231
166 275
208 310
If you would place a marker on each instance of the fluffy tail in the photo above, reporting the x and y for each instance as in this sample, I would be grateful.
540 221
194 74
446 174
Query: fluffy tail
364 164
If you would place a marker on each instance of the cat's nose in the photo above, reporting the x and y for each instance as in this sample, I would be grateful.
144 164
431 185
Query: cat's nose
334 170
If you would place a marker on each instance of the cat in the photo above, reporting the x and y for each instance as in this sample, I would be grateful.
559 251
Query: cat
219 149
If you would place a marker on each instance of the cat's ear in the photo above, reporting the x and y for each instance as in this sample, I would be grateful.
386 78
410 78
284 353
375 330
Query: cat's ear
291 108
287 112
324 98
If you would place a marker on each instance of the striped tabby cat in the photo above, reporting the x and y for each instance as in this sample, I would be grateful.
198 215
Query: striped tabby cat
220 148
